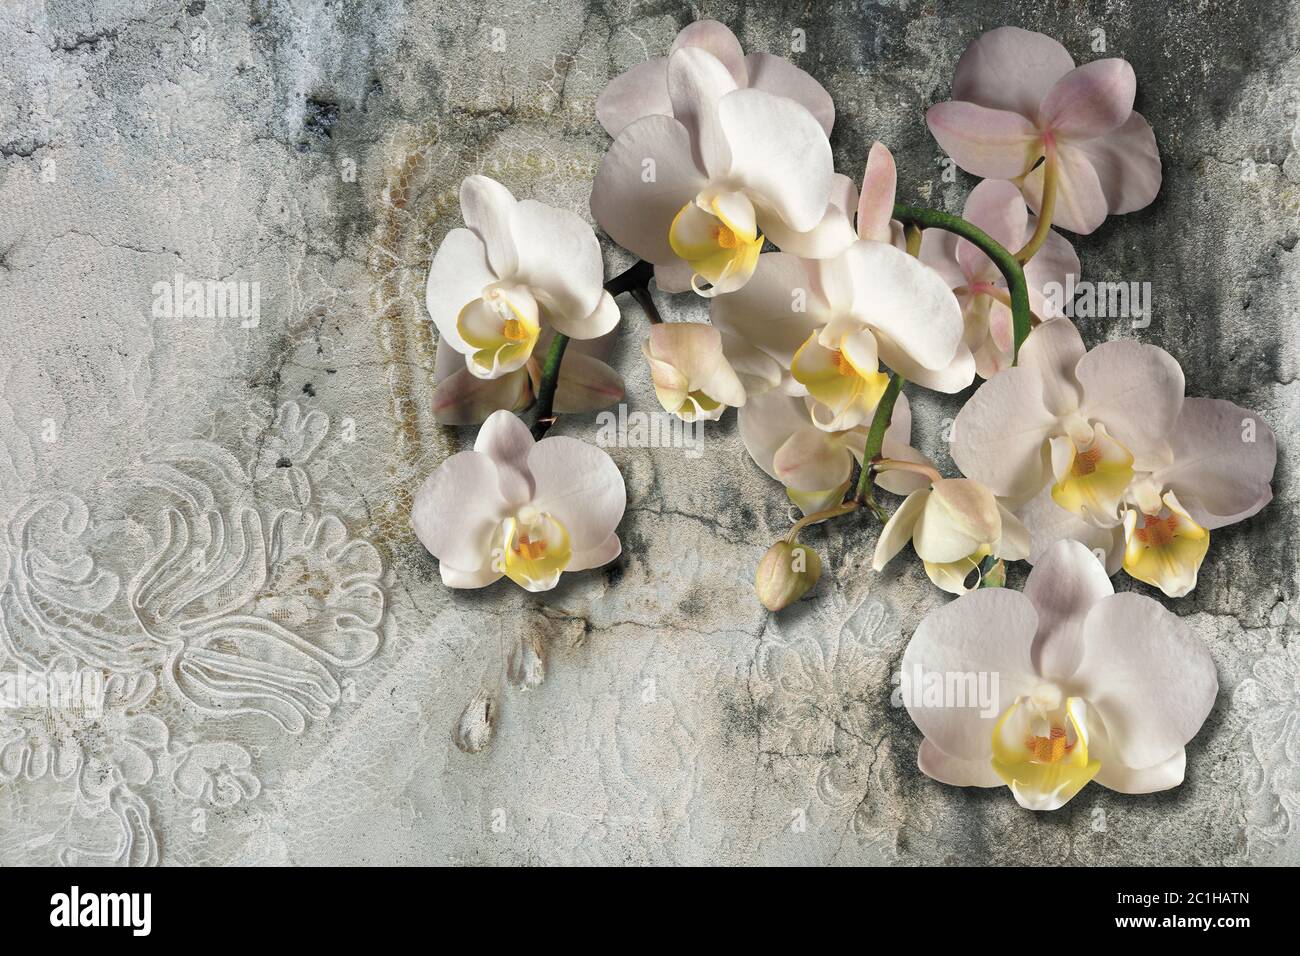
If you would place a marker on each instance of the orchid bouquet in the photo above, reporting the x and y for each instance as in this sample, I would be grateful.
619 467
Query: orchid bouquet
823 300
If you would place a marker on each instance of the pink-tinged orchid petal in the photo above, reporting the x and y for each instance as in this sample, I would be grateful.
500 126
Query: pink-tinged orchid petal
939 252
1013 544
488 208
960 516
1223 462
1065 583
692 377
697 82
458 275
756 370
781 155
937 765
1137 391
1000 434
908 301
1090 101
899 528
478 578
897 445
811 460
989 631
674 276
1054 262
1114 775
641 91
585 384
646 178
950 379
1147 675
716 39
1080 203
462 398
828 238
1010 69
603 553
560 262
1127 164
458 508
776 310
507 441
580 486
1048 523
997 207
1054 350
995 144
780 77
767 420
876 202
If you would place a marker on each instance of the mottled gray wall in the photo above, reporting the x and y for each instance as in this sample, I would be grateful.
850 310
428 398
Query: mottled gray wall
678 721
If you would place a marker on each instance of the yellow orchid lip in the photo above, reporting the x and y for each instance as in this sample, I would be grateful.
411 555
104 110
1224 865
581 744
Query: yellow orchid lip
1042 755
719 250
1166 549
1091 480
502 327
534 550
833 378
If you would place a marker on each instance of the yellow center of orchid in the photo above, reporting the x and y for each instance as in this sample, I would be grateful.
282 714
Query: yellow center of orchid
502 327
1042 753
534 550
849 390
843 365
514 330
1085 462
719 241
1091 477
1051 748
1165 550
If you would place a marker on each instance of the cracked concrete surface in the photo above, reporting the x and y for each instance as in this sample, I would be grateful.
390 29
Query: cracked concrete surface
316 148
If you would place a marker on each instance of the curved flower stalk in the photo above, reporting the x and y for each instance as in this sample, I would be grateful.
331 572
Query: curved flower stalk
1085 685
696 192
692 378
953 524
643 90
996 207
815 465
518 267
521 509
1018 98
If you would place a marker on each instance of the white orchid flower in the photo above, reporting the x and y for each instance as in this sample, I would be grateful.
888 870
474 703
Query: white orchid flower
1090 686
815 465
518 266
692 378
832 322
523 509
1085 423
996 207
953 524
643 90
695 192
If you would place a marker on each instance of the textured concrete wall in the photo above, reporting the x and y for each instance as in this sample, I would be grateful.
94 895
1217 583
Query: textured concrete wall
316 148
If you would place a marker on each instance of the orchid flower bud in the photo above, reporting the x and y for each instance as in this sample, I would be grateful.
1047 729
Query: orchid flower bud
786 573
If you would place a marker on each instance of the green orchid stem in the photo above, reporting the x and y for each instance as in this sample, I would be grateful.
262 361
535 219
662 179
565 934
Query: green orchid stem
635 280
864 493
1004 260
819 516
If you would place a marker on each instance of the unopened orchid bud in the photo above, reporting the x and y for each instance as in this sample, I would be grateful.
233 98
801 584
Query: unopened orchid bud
786 573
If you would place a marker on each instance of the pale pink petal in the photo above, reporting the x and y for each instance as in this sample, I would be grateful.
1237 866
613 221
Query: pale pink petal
1224 457
767 421
897 445
1001 433
1048 524
898 529
675 276
939 252
1067 580
694 350
812 460
937 765
1136 390
580 486
757 370
458 275
1046 273
646 178
1114 775
458 508
995 144
876 201
600 321
507 441
603 553
1010 69
456 578
776 310
463 398
560 262
697 82
1053 350
641 91
960 516
997 207
715 38
1013 544
780 154
828 238
1090 101
950 379
1147 675
989 631
488 208
1080 203
777 75
1127 164
585 384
